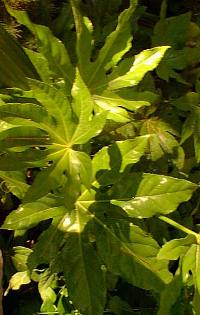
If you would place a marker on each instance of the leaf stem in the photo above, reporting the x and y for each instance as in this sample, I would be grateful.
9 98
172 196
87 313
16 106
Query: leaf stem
178 226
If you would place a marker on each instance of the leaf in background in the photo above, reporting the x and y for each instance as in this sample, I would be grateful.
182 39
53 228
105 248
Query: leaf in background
15 65
170 295
172 31
146 61
47 294
86 278
50 46
162 140
20 256
192 127
191 263
17 280
172 61
15 182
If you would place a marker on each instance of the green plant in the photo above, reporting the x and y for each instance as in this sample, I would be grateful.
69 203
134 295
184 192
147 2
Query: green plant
96 131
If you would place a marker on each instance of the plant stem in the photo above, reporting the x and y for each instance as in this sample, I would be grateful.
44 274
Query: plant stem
178 226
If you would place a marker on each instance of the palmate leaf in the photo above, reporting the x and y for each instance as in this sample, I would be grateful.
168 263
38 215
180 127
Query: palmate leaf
56 126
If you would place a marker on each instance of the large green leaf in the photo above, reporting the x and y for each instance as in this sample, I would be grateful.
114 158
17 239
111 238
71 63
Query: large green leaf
84 275
146 61
153 194
131 253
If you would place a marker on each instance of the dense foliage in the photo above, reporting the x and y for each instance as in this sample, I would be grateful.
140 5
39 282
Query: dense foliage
100 152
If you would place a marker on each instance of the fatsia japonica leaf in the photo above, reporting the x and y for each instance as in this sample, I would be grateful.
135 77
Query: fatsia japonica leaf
129 252
50 46
116 45
146 61
89 125
47 246
191 263
23 136
20 256
117 106
170 295
84 30
188 250
15 182
46 291
88 276
118 156
151 194
191 127
18 279
162 140
176 248
15 65
30 214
